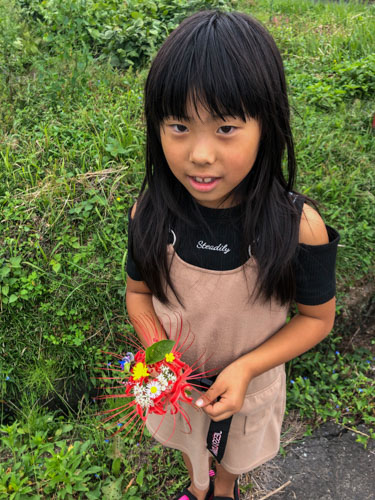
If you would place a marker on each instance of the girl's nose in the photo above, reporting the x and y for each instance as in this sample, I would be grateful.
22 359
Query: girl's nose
202 153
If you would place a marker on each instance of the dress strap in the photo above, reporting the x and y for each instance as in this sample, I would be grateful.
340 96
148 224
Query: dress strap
173 236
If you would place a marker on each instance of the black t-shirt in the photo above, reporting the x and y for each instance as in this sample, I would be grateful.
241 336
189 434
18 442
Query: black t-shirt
217 247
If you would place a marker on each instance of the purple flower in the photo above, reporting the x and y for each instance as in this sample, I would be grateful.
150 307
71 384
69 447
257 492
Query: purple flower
337 352
337 406
128 358
360 390
106 440
292 381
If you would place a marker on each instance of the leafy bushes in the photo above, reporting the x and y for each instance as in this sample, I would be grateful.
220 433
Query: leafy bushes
125 33
344 80
49 458
329 384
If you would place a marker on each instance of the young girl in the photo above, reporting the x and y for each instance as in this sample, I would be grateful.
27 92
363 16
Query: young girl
219 238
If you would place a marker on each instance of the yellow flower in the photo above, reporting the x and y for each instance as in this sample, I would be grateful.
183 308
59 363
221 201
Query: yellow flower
139 371
169 358
118 199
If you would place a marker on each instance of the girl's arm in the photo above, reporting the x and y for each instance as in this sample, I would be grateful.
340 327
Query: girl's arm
306 329
141 310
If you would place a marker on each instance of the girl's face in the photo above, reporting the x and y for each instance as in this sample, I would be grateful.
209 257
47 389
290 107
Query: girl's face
208 155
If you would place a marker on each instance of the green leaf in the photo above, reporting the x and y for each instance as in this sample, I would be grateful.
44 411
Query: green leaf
140 477
67 428
156 352
113 489
94 469
56 267
4 271
12 298
116 466
15 261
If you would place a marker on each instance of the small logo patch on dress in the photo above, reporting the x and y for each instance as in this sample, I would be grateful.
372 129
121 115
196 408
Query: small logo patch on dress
216 438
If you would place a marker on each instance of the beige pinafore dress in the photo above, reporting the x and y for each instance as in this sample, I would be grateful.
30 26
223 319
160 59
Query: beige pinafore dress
222 324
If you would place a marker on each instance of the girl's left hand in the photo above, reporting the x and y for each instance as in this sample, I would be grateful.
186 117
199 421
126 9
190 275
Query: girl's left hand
230 385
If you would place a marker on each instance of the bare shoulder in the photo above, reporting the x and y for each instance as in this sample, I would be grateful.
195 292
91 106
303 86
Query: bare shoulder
312 230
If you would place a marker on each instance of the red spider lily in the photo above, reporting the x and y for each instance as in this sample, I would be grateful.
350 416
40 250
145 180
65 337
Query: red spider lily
177 381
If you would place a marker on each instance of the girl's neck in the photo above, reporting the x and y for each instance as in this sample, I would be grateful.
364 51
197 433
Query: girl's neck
230 211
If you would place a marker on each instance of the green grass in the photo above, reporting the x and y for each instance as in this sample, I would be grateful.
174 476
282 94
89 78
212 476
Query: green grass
71 162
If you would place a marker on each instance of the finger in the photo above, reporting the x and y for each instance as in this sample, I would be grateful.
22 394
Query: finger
217 415
210 396
221 409
222 417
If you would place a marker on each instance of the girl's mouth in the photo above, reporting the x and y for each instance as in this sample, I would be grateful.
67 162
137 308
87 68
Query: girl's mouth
203 183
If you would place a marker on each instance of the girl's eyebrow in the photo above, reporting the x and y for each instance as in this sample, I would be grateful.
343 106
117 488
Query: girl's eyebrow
212 117
178 118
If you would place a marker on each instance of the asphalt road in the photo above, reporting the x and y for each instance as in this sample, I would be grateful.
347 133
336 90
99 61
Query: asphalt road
329 465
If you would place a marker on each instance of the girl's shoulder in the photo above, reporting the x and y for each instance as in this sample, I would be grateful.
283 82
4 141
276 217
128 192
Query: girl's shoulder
312 229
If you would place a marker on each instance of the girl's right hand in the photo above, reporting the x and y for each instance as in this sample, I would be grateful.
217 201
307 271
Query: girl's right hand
230 386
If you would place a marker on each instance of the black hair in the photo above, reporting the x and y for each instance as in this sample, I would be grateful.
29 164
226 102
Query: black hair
229 63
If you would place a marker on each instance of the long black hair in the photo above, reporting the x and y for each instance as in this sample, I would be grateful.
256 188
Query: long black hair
229 63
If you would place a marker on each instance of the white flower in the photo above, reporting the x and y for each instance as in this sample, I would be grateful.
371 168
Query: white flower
168 374
141 396
154 389
162 381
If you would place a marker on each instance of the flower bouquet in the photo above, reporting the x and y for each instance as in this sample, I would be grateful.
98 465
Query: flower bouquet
155 379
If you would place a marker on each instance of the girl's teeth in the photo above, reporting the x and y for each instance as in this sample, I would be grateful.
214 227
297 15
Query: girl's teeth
205 180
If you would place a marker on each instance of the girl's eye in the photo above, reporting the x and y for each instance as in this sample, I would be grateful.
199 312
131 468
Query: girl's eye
226 129
177 127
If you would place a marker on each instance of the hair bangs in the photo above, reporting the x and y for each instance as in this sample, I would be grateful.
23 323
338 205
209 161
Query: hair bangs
202 66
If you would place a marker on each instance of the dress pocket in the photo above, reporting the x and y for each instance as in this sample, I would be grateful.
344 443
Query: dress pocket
265 408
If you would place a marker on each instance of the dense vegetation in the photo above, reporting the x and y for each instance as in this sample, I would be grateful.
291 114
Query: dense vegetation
71 160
